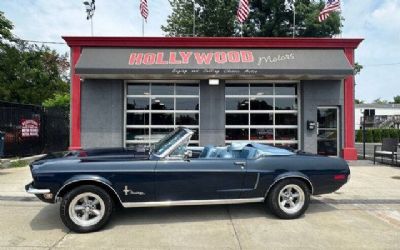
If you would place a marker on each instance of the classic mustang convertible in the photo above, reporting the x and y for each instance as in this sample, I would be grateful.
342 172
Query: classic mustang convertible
90 183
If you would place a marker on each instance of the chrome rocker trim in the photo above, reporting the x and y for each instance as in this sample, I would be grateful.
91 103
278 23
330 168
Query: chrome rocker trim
191 202
32 190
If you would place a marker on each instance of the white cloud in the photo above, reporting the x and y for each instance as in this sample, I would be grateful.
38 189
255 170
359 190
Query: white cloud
378 23
49 20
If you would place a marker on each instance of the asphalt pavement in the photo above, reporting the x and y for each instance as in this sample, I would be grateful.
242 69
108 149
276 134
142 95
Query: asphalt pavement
364 214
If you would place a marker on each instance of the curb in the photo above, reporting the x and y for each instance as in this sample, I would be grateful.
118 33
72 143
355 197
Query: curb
4 163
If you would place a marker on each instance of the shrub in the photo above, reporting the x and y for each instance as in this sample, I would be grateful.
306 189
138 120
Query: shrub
377 135
369 137
358 135
385 133
393 133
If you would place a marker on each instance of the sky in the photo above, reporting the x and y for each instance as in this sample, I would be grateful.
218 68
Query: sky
377 21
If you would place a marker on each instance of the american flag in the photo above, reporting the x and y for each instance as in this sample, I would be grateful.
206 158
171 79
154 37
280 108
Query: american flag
144 10
243 10
330 6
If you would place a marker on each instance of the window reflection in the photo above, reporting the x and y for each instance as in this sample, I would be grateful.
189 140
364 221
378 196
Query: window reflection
187 89
187 103
187 119
262 134
236 89
237 103
162 119
237 134
261 119
139 134
285 104
286 119
137 103
261 104
285 89
237 119
162 103
162 89
138 89
261 89
137 119
285 134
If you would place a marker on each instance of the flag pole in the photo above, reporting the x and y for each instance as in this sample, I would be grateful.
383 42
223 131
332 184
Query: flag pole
143 26
294 19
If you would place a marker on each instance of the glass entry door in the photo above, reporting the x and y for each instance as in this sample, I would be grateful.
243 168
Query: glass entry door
327 129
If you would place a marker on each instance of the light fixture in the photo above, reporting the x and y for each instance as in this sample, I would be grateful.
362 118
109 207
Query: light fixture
90 7
213 81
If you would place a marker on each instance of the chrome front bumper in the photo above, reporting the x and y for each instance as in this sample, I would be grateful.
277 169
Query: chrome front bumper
31 190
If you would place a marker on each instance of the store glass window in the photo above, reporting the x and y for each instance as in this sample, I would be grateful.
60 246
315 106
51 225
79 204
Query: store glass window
155 109
262 112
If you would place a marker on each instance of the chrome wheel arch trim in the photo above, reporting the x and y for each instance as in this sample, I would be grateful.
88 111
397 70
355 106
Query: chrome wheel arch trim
56 198
192 202
290 176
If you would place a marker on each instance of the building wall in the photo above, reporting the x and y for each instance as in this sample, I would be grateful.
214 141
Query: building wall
389 111
102 113
313 94
212 113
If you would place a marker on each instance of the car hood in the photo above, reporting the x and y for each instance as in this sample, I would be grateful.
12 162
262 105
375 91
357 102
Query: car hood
94 154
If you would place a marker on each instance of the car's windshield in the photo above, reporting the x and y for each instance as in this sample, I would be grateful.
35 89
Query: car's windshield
166 142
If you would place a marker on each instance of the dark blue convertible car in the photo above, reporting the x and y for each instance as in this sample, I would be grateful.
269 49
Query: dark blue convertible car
90 183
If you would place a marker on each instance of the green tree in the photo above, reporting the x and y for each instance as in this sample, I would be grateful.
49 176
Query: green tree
358 101
29 73
58 100
396 99
380 101
267 18
212 18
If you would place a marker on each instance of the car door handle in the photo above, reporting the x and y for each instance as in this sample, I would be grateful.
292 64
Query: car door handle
240 163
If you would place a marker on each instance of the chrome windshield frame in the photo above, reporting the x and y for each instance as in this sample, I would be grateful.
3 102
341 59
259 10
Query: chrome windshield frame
183 139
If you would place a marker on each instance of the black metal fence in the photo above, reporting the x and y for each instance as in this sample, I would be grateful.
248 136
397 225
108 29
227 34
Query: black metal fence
31 129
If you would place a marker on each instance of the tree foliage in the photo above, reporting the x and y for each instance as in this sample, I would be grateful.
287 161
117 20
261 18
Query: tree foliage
60 100
212 18
268 18
29 73
380 101
396 99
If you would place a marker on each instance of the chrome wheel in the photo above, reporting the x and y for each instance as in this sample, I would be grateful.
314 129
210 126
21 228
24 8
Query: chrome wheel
86 209
291 198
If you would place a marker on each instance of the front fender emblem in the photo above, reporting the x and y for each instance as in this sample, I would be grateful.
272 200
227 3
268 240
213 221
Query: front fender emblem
132 192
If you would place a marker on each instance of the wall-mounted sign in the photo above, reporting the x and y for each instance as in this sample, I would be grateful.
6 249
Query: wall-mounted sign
30 128
213 62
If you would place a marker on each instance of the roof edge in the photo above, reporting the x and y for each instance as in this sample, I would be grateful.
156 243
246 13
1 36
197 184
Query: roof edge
212 42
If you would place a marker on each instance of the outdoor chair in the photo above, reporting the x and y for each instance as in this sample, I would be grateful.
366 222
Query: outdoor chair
388 149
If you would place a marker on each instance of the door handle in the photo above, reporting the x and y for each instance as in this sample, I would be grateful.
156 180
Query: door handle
240 163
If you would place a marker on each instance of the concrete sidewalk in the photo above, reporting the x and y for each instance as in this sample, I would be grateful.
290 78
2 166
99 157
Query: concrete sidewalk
13 181
364 214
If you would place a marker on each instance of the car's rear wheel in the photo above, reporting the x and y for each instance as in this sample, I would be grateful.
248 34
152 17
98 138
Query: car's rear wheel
86 208
289 198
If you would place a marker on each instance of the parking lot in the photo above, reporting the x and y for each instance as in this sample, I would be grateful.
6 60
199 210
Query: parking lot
363 214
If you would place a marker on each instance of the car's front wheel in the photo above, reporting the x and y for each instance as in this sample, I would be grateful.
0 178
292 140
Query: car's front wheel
86 208
289 198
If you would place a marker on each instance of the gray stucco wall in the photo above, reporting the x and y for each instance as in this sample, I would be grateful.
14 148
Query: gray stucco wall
314 94
102 113
212 113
